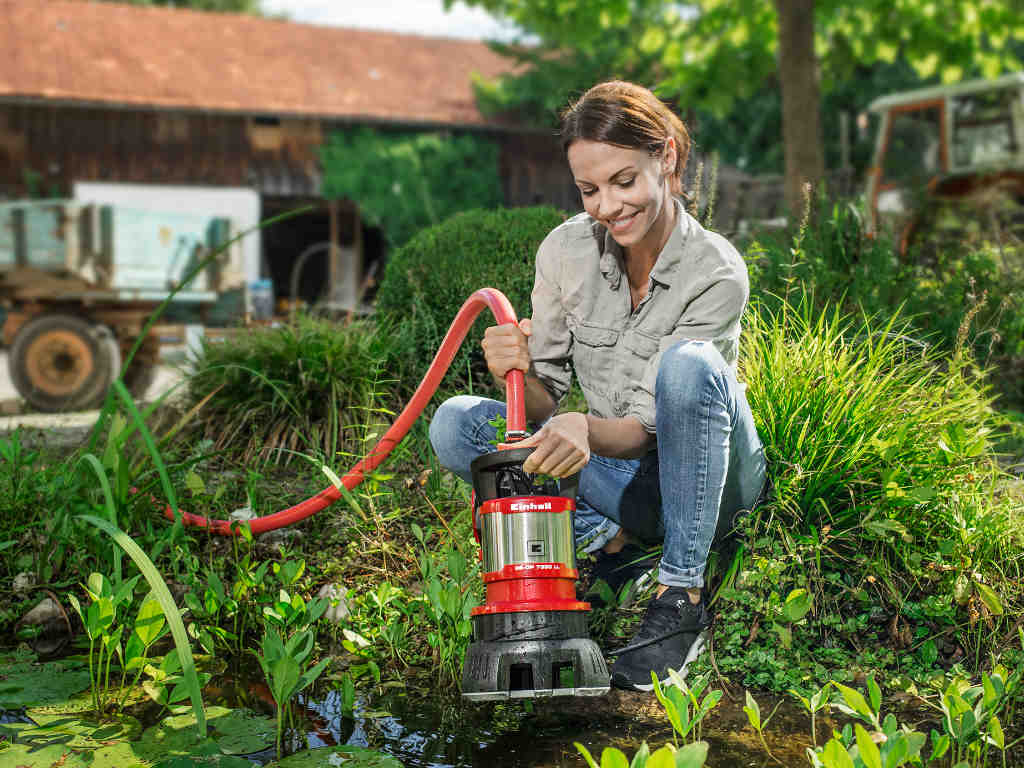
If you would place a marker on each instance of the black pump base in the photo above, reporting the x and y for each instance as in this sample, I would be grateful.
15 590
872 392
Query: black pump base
532 655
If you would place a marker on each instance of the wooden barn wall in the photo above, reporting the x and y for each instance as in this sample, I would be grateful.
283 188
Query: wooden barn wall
58 145
534 171
43 149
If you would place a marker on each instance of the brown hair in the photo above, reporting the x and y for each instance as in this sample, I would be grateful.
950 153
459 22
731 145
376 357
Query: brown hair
627 115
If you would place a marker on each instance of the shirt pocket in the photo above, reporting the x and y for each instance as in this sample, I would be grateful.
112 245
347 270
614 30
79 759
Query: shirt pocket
594 356
642 345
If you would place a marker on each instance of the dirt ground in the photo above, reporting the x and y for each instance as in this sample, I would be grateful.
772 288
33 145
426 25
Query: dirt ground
64 427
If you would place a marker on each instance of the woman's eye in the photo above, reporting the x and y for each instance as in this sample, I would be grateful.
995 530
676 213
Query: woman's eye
587 192
627 182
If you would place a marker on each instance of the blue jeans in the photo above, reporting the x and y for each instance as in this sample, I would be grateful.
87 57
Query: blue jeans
708 464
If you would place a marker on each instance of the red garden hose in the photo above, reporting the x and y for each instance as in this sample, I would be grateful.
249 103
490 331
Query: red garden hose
515 419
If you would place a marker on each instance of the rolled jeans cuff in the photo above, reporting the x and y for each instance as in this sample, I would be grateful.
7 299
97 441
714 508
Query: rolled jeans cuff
689 578
595 539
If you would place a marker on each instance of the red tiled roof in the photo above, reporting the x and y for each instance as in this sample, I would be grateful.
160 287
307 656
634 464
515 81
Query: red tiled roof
74 51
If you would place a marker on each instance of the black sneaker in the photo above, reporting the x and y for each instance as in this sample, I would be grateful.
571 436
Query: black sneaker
632 563
670 637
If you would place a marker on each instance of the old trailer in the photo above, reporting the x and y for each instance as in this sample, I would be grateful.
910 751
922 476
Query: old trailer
77 282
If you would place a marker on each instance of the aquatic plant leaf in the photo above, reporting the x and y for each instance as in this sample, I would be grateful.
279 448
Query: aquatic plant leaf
176 736
234 732
242 732
613 758
80 702
27 756
692 755
868 749
77 732
346 756
41 684
662 758
206 761
118 756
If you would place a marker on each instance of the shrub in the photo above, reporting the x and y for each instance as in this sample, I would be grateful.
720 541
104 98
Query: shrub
839 264
303 386
428 280
887 498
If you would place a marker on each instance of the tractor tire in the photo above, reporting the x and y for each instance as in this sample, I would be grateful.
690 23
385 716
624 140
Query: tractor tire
61 363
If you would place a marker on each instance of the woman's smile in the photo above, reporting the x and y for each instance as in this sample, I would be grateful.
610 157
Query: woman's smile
621 224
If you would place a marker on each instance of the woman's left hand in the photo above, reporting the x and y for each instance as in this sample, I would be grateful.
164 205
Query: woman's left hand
561 447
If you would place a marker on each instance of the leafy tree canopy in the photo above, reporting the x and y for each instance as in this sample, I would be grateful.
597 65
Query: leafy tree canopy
406 181
717 56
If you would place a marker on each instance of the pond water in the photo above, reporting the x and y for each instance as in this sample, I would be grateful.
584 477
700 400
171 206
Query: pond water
425 729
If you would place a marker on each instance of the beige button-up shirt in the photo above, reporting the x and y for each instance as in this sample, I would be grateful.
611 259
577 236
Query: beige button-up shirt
582 311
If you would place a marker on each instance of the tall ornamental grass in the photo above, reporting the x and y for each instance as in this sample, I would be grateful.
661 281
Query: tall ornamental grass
882 442
303 387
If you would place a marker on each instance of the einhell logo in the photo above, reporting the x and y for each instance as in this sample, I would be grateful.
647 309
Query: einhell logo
529 506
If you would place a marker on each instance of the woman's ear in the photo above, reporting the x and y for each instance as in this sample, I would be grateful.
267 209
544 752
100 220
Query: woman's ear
669 156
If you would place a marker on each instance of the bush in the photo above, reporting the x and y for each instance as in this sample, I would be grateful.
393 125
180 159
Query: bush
890 519
836 261
428 280
305 386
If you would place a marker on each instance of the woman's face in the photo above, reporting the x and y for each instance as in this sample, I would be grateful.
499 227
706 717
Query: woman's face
626 190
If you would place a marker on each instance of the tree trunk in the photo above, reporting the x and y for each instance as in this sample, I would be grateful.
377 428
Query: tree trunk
801 101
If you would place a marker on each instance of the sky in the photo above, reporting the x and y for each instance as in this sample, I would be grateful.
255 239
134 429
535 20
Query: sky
424 17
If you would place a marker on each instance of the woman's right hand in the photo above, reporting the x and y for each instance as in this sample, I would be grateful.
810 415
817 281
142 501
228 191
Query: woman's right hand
506 348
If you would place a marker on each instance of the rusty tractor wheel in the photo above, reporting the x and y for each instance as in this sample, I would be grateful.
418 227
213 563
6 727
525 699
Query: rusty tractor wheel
60 363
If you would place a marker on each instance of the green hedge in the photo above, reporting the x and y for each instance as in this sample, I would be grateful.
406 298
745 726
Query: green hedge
428 280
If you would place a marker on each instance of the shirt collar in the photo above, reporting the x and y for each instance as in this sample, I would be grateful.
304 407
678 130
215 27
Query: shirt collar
611 263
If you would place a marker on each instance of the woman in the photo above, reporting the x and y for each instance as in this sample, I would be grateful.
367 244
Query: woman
644 305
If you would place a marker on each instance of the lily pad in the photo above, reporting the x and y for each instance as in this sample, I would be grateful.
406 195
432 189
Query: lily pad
118 756
27 756
242 732
345 756
79 702
206 761
236 732
77 732
27 684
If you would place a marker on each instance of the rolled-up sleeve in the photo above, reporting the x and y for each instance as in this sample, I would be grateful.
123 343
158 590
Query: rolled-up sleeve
551 341
712 315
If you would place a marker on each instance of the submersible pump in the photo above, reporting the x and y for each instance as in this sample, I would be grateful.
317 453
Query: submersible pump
530 636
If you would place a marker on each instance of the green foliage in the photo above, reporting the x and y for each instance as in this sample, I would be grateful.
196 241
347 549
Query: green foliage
888 517
448 603
289 638
299 386
972 298
285 665
25 683
970 727
685 710
231 732
346 755
428 280
170 611
103 621
404 182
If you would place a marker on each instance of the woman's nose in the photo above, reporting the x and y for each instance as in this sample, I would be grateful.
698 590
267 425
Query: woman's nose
606 204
